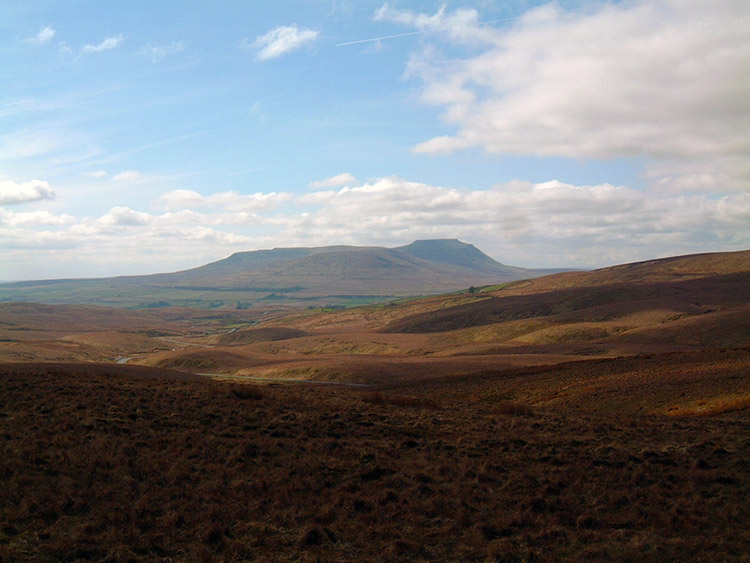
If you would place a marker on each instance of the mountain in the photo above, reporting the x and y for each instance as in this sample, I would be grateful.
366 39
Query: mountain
421 267
338 275
457 253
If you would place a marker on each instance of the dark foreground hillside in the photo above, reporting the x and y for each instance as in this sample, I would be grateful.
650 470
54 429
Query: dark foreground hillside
572 463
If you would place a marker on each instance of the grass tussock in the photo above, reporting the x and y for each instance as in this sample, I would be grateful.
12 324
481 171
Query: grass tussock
378 398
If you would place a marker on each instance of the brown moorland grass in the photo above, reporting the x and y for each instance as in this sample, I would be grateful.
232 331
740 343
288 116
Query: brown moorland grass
671 269
122 463
252 335
712 406
586 304
378 398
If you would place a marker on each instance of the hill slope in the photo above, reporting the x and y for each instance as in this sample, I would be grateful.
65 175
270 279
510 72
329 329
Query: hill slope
694 301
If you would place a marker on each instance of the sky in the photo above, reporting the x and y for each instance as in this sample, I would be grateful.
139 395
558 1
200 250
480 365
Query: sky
141 137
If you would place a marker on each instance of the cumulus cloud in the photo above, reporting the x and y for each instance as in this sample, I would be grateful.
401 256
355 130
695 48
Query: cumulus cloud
106 45
13 193
45 35
282 40
342 179
551 224
125 217
665 80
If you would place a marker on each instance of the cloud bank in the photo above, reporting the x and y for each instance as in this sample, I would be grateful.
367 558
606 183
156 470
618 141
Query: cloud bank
521 223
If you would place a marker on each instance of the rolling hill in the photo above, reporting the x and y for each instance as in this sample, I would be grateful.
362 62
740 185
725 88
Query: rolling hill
687 301
333 275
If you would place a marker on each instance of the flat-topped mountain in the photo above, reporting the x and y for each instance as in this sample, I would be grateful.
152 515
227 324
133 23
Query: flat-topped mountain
421 267
310 276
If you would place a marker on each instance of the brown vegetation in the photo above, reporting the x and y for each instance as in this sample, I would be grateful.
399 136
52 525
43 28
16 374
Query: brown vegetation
378 398
712 406
251 336
513 408
98 464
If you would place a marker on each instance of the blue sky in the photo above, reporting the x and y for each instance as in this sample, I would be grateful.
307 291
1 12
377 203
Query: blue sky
138 137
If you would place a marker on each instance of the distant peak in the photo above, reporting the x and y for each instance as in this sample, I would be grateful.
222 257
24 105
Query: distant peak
450 251
437 243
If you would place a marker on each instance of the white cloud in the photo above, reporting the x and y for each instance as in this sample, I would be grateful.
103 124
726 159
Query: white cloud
462 26
519 223
45 35
13 193
666 80
97 174
130 176
33 219
522 223
550 223
106 45
230 201
158 52
125 217
343 179
282 40
181 199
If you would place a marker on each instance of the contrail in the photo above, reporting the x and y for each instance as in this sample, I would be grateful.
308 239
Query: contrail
414 33
384 37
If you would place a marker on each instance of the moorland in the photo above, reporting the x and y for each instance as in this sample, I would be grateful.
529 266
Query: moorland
598 415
